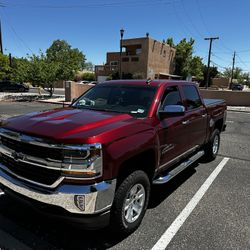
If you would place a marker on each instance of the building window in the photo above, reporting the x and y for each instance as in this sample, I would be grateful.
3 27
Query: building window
125 59
135 59
164 53
138 51
113 63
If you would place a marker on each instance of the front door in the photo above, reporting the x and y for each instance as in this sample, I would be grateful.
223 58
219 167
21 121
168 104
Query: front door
171 130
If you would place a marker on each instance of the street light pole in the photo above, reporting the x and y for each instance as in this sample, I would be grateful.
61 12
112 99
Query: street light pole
120 63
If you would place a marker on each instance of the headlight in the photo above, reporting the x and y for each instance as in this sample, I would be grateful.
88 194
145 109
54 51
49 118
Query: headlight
82 161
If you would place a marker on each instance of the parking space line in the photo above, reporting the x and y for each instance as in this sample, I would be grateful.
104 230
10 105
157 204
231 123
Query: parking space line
166 238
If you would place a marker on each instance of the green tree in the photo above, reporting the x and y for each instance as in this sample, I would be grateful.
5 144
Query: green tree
89 66
20 69
237 73
88 76
170 41
183 57
185 63
5 69
43 72
195 67
213 72
68 59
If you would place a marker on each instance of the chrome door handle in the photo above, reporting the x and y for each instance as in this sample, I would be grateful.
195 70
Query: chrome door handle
185 122
204 115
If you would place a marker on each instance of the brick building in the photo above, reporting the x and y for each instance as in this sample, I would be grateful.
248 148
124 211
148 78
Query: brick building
142 58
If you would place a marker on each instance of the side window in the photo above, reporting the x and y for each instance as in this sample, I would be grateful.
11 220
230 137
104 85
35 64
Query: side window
192 97
171 97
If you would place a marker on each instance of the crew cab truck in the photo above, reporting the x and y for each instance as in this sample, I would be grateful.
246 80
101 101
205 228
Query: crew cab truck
96 160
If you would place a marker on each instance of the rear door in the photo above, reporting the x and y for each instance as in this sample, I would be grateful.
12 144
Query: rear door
195 121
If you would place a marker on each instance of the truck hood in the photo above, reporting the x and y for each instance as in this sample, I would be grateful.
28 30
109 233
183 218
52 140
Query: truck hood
69 125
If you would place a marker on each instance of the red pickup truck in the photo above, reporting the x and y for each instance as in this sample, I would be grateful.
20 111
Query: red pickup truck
96 160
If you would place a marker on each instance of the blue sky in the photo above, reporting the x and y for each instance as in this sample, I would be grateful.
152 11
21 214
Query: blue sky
93 26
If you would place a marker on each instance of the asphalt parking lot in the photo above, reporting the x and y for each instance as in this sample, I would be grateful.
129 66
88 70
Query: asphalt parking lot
219 220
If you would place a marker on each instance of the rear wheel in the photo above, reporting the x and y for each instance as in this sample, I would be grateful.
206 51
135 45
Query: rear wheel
212 147
130 202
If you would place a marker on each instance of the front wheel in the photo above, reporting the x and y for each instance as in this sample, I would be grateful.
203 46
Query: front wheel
130 202
212 147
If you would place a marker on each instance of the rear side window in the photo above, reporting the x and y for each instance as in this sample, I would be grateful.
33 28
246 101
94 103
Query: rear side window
192 97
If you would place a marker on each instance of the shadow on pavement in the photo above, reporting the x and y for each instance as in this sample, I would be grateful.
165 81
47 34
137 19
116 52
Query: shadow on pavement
38 231
160 192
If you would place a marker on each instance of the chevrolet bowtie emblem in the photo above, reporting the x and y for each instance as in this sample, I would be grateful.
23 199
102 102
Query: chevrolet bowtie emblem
18 156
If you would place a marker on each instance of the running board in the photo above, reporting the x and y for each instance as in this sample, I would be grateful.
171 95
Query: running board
178 169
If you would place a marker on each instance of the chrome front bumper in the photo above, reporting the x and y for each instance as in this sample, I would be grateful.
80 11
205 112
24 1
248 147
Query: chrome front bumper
79 199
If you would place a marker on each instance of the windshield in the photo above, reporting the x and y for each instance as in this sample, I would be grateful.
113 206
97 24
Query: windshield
134 100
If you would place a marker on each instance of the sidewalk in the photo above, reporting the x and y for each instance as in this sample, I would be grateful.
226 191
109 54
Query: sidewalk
60 100
238 109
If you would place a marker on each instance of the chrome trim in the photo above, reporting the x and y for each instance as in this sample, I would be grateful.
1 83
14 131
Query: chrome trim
166 178
92 163
186 122
8 152
98 197
54 185
178 157
44 142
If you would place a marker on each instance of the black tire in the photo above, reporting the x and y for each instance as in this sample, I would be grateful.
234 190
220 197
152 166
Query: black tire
118 222
211 150
22 89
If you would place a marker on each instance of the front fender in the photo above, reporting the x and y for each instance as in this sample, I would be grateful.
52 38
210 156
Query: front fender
126 148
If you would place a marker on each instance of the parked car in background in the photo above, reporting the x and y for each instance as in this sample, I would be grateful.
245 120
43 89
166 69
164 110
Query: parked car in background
83 82
9 86
237 87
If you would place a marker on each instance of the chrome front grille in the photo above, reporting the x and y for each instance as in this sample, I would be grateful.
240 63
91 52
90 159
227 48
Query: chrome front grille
30 159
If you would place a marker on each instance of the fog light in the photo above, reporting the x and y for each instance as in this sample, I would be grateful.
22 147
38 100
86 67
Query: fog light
80 202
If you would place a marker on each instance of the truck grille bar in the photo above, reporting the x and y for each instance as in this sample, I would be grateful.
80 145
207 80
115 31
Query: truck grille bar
28 161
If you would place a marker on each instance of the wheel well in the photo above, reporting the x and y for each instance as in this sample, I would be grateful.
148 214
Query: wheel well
144 161
219 124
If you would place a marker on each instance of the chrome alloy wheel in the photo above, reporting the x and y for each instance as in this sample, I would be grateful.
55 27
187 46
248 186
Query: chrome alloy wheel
215 144
134 203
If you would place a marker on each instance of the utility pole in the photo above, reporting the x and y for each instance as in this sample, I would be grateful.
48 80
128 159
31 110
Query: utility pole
1 42
10 60
232 74
209 57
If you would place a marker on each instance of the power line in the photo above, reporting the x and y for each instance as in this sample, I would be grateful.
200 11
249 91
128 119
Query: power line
16 34
190 20
93 5
201 16
243 63
220 58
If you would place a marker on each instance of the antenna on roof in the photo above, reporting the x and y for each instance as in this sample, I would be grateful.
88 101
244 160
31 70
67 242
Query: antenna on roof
149 80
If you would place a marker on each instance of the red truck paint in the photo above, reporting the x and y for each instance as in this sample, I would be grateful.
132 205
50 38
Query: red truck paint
123 136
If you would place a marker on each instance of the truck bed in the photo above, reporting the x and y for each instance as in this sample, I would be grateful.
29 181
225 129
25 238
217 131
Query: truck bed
211 102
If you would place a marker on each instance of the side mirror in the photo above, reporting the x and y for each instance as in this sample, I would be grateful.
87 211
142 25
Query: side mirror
172 110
